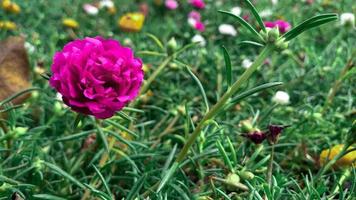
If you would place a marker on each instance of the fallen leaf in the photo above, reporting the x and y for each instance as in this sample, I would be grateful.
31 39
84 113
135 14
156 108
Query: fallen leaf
14 69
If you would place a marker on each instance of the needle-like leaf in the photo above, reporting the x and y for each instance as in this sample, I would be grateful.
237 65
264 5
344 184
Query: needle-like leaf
243 23
308 24
228 68
255 13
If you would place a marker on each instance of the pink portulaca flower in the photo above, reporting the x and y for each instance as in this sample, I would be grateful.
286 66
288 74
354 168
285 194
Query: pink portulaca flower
283 26
194 15
194 20
197 3
171 4
96 76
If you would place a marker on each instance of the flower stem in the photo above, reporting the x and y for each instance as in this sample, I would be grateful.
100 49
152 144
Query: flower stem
268 49
160 68
270 167
221 102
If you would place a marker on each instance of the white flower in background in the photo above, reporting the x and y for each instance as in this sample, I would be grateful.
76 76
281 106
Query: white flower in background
281 98
246 63
227 29
192 21
236 10
200 39
29 47
266 13
347 19
106 4
90 9
274 2
59 97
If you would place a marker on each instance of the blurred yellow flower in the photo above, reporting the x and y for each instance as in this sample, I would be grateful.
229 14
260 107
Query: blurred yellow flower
346 160
132 22
70 23
7 25
112 10
11 6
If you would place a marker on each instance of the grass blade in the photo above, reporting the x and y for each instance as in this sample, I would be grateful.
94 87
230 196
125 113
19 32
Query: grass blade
227 66
255 13
252 91
251 43
60 171
136 188
243 23
12 97
224 155
200 87
310 23
156 40
103 180
47 196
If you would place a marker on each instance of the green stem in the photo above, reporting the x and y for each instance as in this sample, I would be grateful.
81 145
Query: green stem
212 113
220 104
160 68
270 167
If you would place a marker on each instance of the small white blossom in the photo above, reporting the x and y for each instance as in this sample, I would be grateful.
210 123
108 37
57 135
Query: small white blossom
274 2
347 19
192 22
246 63
281 98
90 9
236 10
106 4
200 39
29 47
227 29
266 13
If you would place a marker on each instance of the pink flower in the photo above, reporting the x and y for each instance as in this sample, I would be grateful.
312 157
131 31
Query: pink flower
194 15
283 26
96 76
171 4
197 3
199 26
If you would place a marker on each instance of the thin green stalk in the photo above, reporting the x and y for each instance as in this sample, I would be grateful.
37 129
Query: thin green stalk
270 167
213 112
147 84
220 104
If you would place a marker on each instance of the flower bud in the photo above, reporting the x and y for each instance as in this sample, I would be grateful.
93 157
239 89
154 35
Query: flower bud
281 44
38 164
57 107
232 179
246 126
171 46
273 35
19 131
256 137
246 175
273 133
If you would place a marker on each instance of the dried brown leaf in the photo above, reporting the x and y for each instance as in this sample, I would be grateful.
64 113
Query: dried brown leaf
14 69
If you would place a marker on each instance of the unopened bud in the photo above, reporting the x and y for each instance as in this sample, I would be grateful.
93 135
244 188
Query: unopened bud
171 46
273 35
19 131
232 178
246 175
281 44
